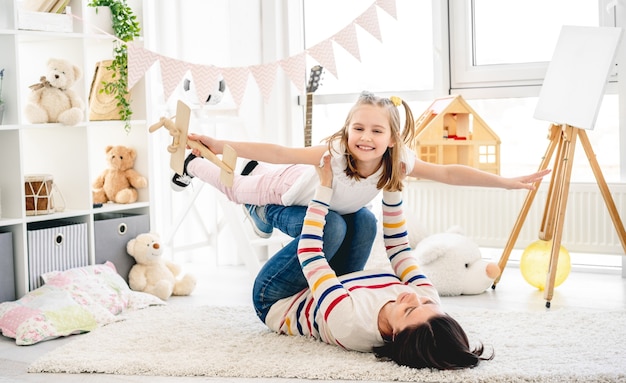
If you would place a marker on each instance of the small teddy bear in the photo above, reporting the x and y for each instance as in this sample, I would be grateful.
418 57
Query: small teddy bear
153 274
453 263
118 183
52 100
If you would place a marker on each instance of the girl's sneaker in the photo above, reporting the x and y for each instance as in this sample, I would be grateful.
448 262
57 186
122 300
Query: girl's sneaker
181 181
256 215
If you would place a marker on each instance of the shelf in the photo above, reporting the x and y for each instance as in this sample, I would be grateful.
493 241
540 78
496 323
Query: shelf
73 155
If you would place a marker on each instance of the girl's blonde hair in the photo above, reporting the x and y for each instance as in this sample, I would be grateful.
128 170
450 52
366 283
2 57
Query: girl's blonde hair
392 171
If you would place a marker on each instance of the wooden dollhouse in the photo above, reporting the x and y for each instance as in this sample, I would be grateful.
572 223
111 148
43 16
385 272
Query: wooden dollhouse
451 132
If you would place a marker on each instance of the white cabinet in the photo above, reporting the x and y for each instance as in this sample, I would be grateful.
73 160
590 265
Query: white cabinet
73 155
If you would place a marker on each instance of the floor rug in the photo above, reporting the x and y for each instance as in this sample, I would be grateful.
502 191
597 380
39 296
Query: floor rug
556 345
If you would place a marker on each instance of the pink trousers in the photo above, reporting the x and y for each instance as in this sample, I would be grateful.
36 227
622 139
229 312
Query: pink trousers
265 185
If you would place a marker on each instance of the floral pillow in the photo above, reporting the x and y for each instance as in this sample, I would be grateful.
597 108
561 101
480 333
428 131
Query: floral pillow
71 302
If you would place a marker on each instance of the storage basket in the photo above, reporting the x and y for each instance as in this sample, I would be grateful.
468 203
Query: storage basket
40 192
55 246
112 231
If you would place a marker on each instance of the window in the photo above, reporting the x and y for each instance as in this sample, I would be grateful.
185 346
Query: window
496 43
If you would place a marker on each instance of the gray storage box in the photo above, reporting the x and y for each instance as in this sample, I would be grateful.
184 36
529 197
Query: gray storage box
55 246
112 231
7 269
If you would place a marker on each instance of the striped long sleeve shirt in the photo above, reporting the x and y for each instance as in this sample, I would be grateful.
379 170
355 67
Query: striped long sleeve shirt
343 311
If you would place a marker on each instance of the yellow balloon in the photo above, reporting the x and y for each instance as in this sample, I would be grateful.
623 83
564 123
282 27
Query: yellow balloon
535 262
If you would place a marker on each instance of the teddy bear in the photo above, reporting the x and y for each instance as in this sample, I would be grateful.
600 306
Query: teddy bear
118 183
52 100
154 274
454 264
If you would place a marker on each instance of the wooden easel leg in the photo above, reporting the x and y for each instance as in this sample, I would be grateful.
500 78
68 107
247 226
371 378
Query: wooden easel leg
560 205
554 136
604 189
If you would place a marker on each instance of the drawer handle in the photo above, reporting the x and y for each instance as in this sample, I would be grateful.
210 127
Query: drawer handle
122 229
58 240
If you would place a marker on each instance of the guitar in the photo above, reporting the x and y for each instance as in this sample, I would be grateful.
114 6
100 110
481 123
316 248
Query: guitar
314 82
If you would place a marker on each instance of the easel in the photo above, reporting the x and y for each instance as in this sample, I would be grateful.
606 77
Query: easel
581 53
563 138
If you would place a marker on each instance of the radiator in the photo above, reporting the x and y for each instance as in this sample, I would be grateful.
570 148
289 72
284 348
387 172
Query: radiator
488 215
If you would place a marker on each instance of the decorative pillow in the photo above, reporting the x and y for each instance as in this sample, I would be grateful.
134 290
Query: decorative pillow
71 302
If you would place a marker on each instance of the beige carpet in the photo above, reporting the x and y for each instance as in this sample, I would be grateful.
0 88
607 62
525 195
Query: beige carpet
558 345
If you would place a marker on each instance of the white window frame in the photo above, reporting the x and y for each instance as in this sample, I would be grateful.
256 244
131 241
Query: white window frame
496 81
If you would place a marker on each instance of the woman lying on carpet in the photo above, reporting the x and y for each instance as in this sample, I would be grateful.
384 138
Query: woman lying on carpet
397 316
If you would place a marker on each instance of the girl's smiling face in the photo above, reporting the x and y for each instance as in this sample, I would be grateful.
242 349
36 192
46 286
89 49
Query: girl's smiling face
369 135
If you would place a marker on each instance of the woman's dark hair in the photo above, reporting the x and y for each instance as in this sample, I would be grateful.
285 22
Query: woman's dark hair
438 343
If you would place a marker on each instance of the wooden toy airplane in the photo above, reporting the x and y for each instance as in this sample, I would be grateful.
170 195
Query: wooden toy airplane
179 130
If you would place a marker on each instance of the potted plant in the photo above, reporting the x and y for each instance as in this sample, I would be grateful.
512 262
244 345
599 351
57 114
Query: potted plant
126 28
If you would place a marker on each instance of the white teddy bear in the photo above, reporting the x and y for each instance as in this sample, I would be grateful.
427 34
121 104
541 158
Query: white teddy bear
453 263
154 274
52 100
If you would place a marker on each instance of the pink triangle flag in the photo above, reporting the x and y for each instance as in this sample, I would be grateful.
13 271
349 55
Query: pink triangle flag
388 6
172 72
348 40
324 54
295 68
206 80
139 61
265 76
369 21
236 80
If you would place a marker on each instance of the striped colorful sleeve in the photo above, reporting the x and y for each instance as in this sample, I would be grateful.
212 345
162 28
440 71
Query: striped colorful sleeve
322 280
396 239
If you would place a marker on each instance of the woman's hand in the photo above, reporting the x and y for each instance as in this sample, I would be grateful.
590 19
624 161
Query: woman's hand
325 172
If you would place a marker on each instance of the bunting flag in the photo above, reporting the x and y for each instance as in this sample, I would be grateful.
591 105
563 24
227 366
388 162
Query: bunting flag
264 75
237 80
347 39
206 77
369 21
324 54
142 60
388 6
295 69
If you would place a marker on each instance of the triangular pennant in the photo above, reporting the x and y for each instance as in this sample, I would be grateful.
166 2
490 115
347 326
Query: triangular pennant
388 6
265 76
369 21
295 68
325 55
348 40
172 72
236 80
206 79
139 61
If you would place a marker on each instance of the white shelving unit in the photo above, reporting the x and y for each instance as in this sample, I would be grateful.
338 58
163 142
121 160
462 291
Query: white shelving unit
73 155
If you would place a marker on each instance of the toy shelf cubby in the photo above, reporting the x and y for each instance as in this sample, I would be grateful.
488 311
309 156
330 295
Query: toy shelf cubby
73 155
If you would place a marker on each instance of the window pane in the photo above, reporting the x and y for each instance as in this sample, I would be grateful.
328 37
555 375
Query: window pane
403 61
508 32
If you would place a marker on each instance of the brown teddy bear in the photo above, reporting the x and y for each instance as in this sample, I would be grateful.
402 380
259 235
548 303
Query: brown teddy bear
153 274
118 183
52 100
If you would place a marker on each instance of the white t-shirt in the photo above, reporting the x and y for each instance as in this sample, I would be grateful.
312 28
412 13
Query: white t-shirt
349 195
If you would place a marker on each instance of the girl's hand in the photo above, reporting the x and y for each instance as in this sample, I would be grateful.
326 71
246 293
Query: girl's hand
527 182
211 143
325 172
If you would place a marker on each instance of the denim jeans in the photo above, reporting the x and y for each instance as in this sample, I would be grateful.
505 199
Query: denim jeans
348 241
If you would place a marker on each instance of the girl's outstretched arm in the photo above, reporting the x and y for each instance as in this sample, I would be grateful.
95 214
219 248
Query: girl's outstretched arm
265 152
468 176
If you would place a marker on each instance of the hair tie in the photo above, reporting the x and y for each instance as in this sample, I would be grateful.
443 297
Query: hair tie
397 101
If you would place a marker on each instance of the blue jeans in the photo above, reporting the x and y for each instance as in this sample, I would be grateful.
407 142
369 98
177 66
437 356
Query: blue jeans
348 241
